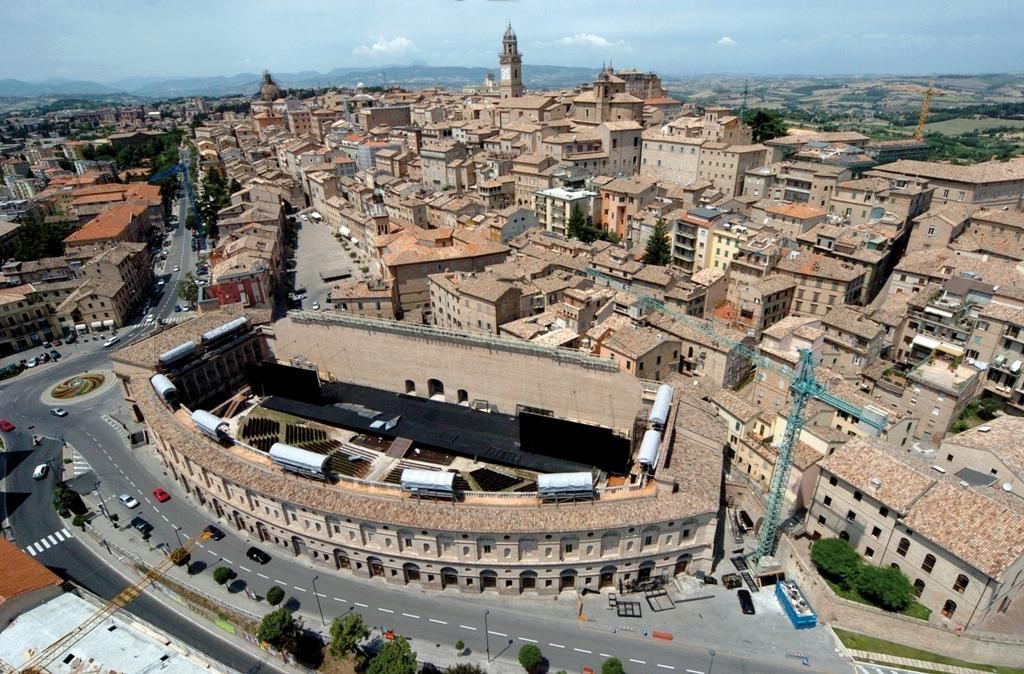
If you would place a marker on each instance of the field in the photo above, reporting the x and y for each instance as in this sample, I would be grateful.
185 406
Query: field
861 642
955 127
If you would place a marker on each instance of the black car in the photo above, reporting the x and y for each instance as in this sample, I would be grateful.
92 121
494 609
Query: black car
257 555
142 525
215 533
71 339
43 357
55 354
47 345
746 603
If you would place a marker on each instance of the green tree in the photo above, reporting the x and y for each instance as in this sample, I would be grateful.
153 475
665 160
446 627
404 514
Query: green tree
397 657
346 633
35 238
275 596
836 560
223 574
278 628
988 408
188 290
464 668
530 658
766 124
612 666
577 222
885 587
67 500
459 647
658 250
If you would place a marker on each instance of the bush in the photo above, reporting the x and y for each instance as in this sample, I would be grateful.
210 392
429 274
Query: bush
275 596
887 588
835 560
612 666
465 668
395 658
277 627
79 521
530 658
223 574
459 647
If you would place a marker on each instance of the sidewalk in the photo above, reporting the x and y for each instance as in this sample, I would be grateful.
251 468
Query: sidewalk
864 656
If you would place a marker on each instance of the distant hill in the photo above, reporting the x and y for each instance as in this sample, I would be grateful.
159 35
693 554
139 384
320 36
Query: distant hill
411 76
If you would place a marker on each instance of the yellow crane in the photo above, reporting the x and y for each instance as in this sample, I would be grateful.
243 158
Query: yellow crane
37 664
926 104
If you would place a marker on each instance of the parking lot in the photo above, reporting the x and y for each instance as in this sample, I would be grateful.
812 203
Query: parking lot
319 251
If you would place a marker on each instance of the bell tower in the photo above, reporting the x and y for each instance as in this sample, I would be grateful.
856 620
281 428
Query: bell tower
511 62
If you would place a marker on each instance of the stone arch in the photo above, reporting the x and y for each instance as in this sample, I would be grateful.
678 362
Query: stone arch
449 577
607 577
463 397
528 580
844 536
411 572
567 579
683 563
376 567
341 560
435 389
410 386
488 579
645 571
949 608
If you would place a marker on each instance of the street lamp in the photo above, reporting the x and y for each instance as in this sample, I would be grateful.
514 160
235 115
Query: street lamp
318 606
487 636
177 530
103 503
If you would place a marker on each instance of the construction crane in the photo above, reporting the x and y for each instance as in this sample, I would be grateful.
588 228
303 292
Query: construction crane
182 168
803 387
37 664
926 105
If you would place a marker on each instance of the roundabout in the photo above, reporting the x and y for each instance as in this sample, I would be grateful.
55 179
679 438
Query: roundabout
78 388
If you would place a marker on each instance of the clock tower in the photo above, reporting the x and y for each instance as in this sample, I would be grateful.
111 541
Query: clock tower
511 62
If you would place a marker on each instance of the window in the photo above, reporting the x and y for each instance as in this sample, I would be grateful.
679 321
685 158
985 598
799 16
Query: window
487 549
902 548
827 500
821 519
961 583
833 481
648 540
568 548
876 532
869 552
883 511
851 516
928 564
918 587
949 608
408 542
857 496
931 231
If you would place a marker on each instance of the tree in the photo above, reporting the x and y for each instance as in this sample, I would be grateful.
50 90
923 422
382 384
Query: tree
275 596
397 657
188 290
35 238
577 222
835 559
885 587
67 500
346 633
766 124
459 647
612 666
658 250
988 408
530 658
465 668
277 628
223 574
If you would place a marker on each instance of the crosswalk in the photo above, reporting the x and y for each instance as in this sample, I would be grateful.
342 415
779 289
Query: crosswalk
79 464
47 542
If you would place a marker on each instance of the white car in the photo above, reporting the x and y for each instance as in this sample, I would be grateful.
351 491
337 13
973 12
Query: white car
111 342
128 501
150 317
59 412
177 268
316 306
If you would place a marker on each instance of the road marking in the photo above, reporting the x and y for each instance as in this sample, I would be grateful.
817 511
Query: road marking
532 641
497 634
300 589
156 509
583 650
439 622
31 551
411 615
52 539
262 576
244 569
467 627
665 666
46 545
227 560
361 604
555 645
694 671
343 601
280 582
66 533
131 483
639 662
384 610
165 518
59 535
606 655
147 499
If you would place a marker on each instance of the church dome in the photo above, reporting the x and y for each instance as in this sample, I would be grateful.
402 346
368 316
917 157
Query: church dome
269 90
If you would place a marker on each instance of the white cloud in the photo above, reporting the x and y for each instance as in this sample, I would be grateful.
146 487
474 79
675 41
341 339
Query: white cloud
588 40
393 47
726 41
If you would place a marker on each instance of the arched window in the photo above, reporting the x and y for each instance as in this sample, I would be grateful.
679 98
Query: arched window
410 386
961 583
844 536
949 608
918 587
928 564
902 548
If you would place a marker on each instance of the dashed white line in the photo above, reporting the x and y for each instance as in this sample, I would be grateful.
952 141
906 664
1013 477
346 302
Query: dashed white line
155 509
439 622
244 569
321 595
361 604
555 645
384 610
211 552
694 671
665 666
227 560
300 589
497 634
411 615
606 655
280 582
467 627
343 601
639 662
583 650
531 641
262 576
165 518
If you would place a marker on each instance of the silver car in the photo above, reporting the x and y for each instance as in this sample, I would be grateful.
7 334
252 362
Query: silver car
128 501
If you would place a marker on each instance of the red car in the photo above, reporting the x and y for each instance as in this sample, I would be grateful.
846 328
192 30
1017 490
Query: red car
6 426
160 495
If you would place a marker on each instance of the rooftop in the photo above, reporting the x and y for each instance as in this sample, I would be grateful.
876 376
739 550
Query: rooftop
878 473
22 574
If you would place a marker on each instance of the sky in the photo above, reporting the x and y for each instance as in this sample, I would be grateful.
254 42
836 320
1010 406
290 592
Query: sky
107 40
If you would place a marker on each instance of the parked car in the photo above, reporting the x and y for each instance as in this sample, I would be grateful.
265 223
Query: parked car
141 525
57 342
257 555
43 357
128 501
746 603
54 353
41 471
177 268
47 345
160 495
215 533
71 339
6 426
59 412
316 306
31 362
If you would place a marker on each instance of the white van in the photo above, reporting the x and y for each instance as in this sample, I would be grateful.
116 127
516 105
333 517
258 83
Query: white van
41 471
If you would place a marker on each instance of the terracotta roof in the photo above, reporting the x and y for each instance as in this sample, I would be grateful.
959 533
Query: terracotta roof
109 224
986 172
22 574
797 210
820 266
857 463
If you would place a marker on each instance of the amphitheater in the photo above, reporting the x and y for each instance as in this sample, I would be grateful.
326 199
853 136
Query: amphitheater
430 458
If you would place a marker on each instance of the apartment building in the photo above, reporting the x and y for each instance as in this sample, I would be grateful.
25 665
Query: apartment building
857 245
691 232
781 343
852 341
553 207
793 218
125 262
993 184
473 302
622 199
670 157
128 222
532 173
26 319
962 548
800 181
375 299
641 351
754 305
822 283
989 455
939 226
860 201
720 364
998 340
725 241
725 166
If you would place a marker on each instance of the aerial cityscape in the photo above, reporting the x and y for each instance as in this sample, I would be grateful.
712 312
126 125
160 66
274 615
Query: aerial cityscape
473 336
